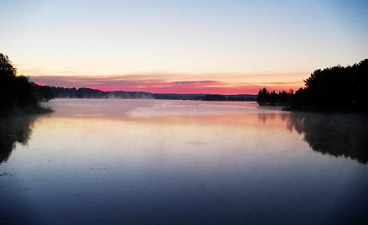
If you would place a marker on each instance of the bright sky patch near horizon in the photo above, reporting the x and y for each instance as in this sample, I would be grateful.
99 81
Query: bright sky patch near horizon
188 46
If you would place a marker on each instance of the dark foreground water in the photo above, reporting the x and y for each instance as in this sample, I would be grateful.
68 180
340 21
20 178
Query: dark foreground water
182 162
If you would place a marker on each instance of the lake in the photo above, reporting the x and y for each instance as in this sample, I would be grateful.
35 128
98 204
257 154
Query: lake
119 161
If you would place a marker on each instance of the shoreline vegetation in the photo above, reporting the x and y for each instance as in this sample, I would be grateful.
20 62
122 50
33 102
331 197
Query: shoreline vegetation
18 96
329 90
50 92
334 89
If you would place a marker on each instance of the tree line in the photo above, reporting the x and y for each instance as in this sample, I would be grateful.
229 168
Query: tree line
331 89
265 97
63 92
17 93
49 92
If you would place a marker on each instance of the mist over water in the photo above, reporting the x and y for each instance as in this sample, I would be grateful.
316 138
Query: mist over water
121 161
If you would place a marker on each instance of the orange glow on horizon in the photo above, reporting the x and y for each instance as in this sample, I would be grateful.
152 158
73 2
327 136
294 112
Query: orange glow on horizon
179 84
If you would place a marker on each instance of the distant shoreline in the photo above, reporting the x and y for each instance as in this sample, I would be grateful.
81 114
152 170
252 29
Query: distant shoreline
85 93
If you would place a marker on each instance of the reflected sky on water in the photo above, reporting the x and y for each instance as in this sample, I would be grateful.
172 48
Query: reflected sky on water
185 162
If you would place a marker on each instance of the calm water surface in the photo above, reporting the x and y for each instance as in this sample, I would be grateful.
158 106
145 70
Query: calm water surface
182 162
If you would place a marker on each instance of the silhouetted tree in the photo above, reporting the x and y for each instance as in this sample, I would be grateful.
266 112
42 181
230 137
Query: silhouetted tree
42 93
15 91
262 96
265 97
334 89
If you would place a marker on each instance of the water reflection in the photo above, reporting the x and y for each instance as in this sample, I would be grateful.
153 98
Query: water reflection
14 130
176 162
334 134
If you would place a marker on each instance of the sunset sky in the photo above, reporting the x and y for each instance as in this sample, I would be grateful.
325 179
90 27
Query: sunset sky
187 46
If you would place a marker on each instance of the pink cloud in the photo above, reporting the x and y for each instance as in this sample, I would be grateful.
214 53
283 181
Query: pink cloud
161 85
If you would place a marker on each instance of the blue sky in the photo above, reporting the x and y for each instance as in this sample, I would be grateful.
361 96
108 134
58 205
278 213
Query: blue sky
230 42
